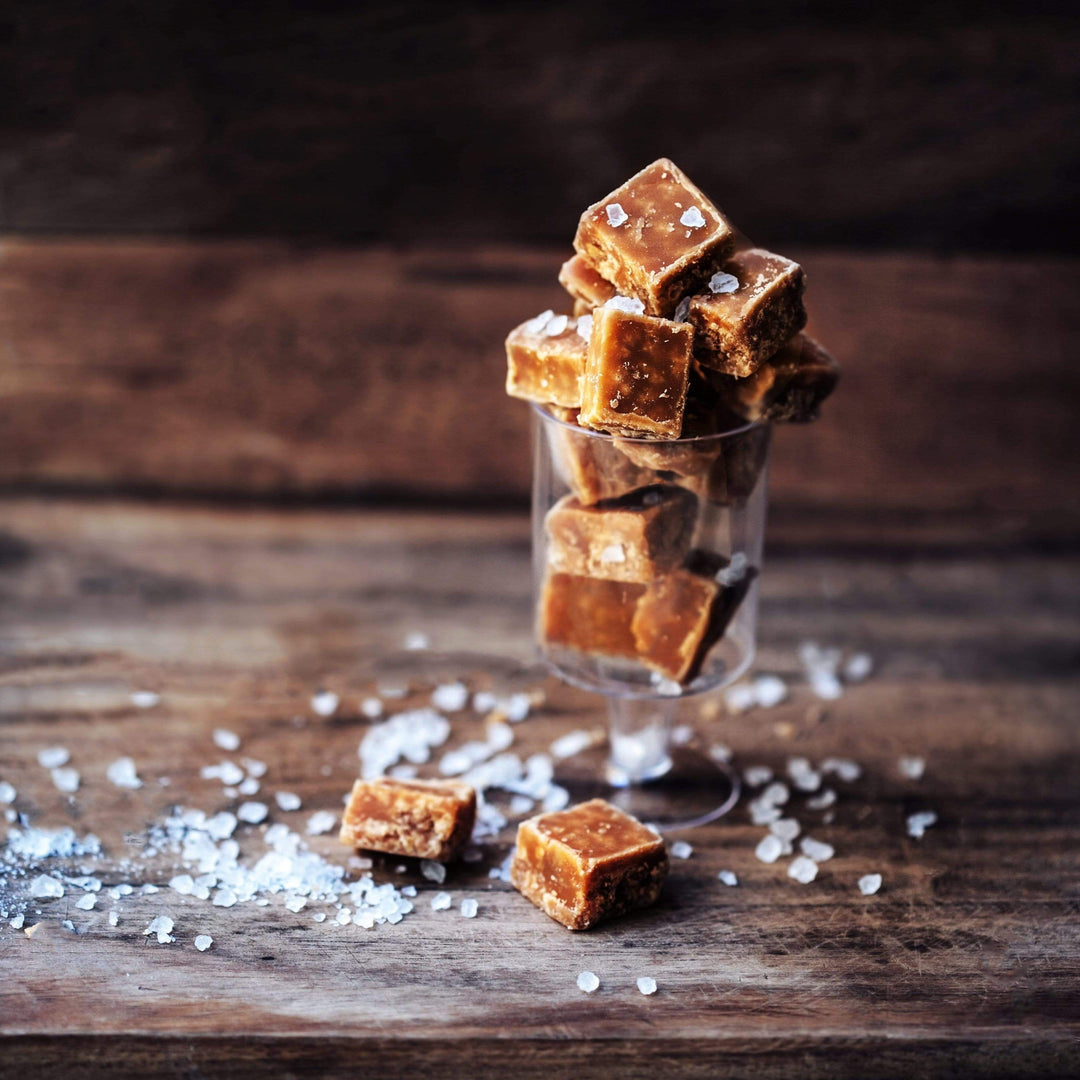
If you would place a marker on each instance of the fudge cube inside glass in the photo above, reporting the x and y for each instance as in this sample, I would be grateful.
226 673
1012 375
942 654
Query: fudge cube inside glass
589 615
588 863
748 311
636 373
656 238
545 359
427 819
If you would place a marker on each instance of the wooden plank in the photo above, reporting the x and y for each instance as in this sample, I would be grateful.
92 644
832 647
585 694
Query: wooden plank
261 369
966 962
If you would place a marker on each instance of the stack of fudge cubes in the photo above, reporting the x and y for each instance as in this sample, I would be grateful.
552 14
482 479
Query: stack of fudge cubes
680 329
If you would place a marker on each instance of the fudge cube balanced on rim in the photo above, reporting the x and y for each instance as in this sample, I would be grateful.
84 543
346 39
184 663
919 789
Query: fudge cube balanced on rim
545 359
588 863
656 238
584 284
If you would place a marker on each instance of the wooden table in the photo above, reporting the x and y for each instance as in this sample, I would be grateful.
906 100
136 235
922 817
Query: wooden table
966 963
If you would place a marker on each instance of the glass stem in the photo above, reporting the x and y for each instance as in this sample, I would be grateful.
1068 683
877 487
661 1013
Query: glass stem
639 736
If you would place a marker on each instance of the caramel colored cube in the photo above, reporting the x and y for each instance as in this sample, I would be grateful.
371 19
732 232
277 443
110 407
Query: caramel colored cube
787 388
584 284
692 454
592 466
682 615
756 306
636 373
656 238
632 540
588 863
589 615
428 819
545 359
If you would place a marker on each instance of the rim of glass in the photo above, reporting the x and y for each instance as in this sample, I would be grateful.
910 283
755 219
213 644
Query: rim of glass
750 425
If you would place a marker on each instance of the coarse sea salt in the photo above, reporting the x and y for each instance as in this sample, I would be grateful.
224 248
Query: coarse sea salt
53 757
858 667
646 985
145 699
410 735
802 869
626 304
869 884
918 823
723 283
817 850
226 740
616 215
253 813
65 780
769 849
203 942
587 982
682 310
86 902
692 218
371 707
161 926
322 821
325 703
122 773
845 769
415 641
433 871
681 850
757 775
7 793
441 901
822 801
785 828
573 742
912 768
287 800
769 691
584 327
450 697
469 908
728 878
740 697
556 326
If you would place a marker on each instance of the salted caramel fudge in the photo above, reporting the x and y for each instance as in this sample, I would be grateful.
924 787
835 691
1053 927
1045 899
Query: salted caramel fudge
589 615
584 284
428 819
545 359
633 539
691 455
788 388
655 238
588 863
636 373
747 311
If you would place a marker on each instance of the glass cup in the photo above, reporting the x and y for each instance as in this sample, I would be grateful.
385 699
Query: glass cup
649 622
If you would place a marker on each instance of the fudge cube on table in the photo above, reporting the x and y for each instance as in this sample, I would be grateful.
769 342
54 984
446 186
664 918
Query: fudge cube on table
545 359
588 863
636 373
655 238
633 539
428 819
584 284
747 311
788 388
589 615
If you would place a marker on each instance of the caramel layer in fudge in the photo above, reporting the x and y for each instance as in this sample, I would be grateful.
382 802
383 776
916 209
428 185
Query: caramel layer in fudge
636 373
429 819
590 615
656 238
584 284
682 615
592 467
738 328
631 540
545 360
588 863
787 388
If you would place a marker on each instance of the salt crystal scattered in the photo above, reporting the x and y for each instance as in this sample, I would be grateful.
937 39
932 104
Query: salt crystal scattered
87 902
769 849
7 792
616 215
537 324
53 757
415 641
858 667
221 826
728 878
869 884
450 697
646 985
556 326
371 707
584 327
66 780
433 871
587 982
287 800
322 821
681 850
776 793
912 767
122 773
250 786
740 697
295 903
692 218
325 703
846 770
114 919
822 801
769 690
252 812
802 869
203 942
625 303
817 850
224 897
682 309
160 926
254 767
918 823
441 901
756 775
723 283
469 908
145 699
785 828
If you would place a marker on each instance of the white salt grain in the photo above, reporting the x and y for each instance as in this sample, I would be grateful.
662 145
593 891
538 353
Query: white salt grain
53 757
723 283
252 812
740 697
616 215
224 897
822 801
66 780
627 304
762 813
250 786
203 942
287 800
322 821
521 804
184 884
587 982
416 641
7 792
17 922
145 699
769 849
537 324
869 884
450 697
371 707
681 850
756 775
728 878
433 871
692 218
584 327
646 985
469 908
114 919
325 703
802 869
917 824
441 901
122 773
319 916
227 740
769 690
295 903
735 570
776 794
785 828
67 924
682 309
846 770
556 326
160 926
817 850
254 767
912 768
858 667
87 902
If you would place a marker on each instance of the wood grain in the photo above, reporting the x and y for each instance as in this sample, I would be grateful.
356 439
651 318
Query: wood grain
967 963
268 370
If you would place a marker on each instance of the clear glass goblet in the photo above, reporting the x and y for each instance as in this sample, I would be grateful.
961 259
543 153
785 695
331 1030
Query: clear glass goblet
648 628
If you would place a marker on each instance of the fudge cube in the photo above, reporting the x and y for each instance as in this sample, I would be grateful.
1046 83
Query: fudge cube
682 615
692 454
740 468
584 284
428 819
588 863
545 359
592 467
788 388
636 373
748 311
634 539
656 238
589 615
